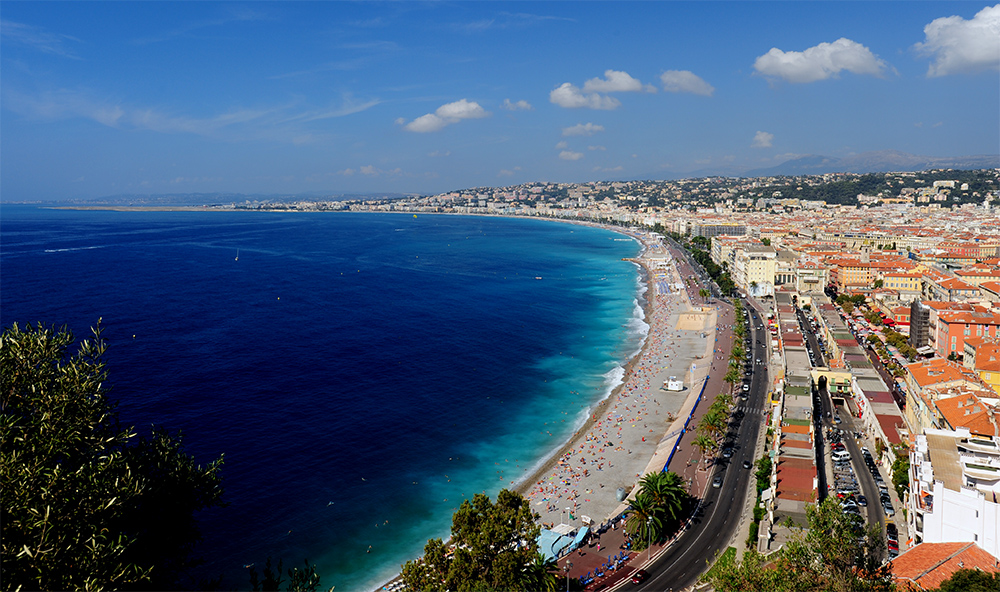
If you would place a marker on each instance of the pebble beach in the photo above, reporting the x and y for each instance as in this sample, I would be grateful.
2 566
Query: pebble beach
634 430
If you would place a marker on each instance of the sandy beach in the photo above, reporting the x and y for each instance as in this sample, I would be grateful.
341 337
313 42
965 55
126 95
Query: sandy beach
634 430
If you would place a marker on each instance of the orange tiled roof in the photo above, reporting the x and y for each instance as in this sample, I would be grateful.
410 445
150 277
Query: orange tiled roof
966 410
926 565
937 370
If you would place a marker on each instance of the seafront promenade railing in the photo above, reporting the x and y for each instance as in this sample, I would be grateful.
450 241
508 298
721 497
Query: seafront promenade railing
687 422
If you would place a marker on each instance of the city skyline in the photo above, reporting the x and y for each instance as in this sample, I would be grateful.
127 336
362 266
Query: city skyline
100 99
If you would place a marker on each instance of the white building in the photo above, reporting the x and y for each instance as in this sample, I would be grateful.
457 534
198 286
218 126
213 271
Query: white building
954 478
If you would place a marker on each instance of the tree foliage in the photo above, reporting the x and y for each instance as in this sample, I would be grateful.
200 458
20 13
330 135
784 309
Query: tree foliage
299 580
658 508
87 505
901 473
493 546
971 580
837 554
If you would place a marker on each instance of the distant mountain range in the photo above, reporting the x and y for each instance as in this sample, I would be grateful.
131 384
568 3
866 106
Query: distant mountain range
882 161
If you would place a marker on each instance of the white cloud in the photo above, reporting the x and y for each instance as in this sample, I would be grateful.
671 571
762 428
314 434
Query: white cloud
582 129
617 169
445 115
463 109
762 140
570 155
426 123
521 105
562 145
37 39
602 148
373 171
508 172
615 81
283 123
677 81
346 172
438 153
571 97
823 61
958 45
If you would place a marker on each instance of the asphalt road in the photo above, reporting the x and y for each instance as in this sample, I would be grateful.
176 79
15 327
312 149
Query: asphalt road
722 507
866 482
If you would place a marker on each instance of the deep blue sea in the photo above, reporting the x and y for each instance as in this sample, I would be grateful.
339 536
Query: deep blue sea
361 373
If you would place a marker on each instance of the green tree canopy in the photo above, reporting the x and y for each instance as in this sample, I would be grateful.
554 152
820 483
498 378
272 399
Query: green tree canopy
836 554
971 580
658 508
493 546
87 505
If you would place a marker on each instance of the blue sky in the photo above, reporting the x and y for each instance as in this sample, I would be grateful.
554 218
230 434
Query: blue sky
105 98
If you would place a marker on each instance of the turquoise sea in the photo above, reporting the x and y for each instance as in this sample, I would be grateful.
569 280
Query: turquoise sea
362 373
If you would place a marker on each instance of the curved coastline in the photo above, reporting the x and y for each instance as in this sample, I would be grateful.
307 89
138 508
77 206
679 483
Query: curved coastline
633 431
629 461
550 460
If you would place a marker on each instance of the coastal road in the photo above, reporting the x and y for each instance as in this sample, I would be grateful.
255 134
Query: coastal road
721 508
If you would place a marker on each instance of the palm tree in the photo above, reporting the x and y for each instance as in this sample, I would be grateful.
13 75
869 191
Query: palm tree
705 444
644 522
733 376
704 294
713 422
667 492
725 398
542 574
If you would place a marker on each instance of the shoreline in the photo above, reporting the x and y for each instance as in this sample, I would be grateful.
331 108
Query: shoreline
638 386
594 473
527 481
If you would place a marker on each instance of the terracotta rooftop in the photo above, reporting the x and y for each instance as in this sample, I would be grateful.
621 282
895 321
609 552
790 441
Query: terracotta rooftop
925 566
939 370
890 426
966 410
796 477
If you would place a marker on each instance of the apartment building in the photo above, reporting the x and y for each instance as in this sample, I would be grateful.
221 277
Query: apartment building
982 354
930 381
954 477
753 269
850 275
955 326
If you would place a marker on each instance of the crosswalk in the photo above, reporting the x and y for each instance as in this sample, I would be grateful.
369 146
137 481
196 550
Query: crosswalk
750 410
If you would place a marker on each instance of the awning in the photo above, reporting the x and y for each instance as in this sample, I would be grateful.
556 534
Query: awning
580 535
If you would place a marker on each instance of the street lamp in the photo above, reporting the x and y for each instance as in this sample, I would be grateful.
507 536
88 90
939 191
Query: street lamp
649 530
569 565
